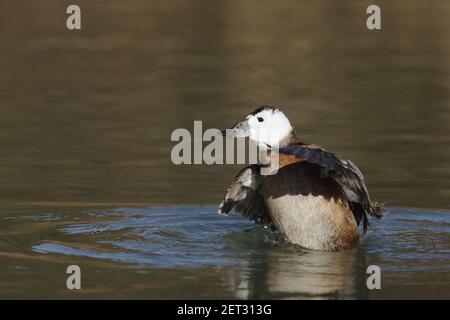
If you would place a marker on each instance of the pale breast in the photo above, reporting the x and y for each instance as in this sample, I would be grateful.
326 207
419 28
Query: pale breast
309 210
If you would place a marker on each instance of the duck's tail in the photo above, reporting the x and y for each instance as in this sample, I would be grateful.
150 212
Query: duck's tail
373 209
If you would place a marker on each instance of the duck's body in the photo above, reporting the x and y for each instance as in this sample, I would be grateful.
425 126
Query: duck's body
316 199
307 210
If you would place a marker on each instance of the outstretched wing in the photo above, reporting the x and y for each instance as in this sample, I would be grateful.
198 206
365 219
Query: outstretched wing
245 197
343 171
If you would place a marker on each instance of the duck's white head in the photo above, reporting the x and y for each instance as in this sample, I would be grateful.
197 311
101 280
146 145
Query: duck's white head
267 126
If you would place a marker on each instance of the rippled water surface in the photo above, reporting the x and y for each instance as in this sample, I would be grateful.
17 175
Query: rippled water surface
182 252
85 124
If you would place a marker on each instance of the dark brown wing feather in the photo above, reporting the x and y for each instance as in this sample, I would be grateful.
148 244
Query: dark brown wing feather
345 173
244 196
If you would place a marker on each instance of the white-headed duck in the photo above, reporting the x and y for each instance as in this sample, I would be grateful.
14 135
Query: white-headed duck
316 199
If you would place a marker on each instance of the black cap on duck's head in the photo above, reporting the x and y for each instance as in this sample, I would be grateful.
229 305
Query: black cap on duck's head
267 126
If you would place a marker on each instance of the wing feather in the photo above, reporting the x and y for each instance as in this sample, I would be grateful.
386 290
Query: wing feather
244 196
343 171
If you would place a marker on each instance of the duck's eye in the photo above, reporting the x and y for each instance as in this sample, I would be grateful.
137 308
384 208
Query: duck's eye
260 119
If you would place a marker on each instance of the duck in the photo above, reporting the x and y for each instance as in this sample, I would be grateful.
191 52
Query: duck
316 199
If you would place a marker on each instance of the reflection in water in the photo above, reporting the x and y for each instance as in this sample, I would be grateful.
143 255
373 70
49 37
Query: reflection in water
292 274
191 251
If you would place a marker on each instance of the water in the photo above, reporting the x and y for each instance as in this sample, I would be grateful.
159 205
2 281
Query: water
191 251
85 124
